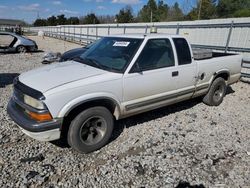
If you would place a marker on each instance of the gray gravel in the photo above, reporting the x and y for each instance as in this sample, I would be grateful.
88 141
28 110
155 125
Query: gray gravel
184 145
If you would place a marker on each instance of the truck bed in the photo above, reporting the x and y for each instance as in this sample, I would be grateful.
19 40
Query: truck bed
216 55
227 62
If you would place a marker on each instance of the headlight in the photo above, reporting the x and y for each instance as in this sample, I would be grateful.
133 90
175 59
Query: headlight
33 102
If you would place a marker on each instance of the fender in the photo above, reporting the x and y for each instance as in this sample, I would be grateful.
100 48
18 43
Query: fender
90 97
222 71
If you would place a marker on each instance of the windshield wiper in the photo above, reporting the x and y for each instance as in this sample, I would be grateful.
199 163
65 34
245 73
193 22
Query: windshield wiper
87 61
78 59
95 63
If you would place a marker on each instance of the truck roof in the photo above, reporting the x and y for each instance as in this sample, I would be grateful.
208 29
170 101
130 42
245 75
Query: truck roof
144 35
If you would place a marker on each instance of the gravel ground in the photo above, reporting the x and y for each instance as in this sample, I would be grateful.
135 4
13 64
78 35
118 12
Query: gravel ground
185 145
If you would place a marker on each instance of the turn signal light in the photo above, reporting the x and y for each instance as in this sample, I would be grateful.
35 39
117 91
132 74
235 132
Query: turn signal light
40 117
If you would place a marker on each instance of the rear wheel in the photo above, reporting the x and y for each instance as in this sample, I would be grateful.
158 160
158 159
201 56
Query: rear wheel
91 129
216 93
21 49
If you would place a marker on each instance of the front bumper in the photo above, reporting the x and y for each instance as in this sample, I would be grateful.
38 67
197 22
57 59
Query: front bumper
43 131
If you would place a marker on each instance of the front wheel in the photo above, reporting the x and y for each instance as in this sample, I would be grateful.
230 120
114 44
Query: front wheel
91 129
216 93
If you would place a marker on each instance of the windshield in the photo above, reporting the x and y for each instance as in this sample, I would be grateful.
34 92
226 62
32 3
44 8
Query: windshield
111 53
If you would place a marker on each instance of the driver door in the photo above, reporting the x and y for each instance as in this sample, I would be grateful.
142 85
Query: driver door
154 84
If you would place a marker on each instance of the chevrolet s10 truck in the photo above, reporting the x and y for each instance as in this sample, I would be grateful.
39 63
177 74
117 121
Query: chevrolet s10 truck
119 76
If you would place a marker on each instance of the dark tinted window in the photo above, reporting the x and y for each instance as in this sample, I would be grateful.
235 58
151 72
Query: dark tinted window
183 51
157 53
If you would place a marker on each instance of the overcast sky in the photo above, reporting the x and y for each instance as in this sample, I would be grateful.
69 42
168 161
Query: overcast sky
29 9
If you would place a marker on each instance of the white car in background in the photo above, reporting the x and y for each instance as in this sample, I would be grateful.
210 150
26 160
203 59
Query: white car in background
11 42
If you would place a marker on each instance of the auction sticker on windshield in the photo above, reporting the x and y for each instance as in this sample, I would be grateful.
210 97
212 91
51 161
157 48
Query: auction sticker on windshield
121 43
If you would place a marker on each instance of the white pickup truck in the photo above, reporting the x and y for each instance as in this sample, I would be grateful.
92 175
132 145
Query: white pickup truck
119 76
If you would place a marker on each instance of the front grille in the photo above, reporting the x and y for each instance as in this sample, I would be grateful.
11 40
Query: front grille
18 98
18 95
17 101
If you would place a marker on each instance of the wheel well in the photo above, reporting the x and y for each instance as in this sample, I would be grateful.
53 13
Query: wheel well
224 75
109 104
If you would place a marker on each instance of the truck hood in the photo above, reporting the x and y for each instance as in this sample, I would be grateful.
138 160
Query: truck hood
51 76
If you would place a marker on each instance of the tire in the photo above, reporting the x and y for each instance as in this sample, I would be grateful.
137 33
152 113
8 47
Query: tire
216 92
21 49
91 129
46 62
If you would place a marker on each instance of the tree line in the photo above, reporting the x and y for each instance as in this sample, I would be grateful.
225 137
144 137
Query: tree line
158 11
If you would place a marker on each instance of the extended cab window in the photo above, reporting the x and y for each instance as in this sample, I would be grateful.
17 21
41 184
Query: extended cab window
156 54
183 51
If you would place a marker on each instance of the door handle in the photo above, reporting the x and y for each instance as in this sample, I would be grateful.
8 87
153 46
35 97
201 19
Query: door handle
175 73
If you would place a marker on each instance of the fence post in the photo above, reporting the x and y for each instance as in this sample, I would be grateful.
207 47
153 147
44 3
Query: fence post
66 33
64 29
146 29
74 33
60 28
96 32
87 32
80 35
178 29
124 29
229 36
109 30
69 33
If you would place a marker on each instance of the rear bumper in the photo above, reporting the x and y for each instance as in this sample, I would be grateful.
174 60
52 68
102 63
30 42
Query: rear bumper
45 131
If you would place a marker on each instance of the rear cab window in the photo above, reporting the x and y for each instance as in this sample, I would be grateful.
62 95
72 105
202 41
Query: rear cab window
183 51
